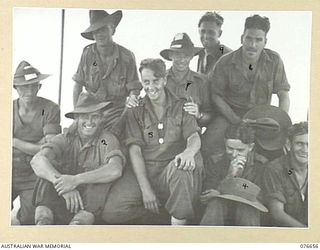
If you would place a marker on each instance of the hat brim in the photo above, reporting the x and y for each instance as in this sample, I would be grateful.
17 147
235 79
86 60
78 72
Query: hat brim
165 53
254 204
32 81
88 109
114 17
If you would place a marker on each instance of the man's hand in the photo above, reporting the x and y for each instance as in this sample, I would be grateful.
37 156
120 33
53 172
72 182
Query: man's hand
150 200
207 195
185 161
73 201
132 101
192 108
65 183
236 166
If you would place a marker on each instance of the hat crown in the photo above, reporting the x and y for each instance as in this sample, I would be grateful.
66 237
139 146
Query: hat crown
240 187
97 15
25 68
181 40
86 100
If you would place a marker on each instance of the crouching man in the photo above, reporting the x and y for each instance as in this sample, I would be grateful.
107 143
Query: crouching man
233 182
164 147
77 168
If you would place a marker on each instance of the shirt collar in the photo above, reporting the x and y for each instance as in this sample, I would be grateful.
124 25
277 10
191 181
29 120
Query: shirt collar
116 52
237 57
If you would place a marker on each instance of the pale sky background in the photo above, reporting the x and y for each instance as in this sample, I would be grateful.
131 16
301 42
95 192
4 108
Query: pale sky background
37 35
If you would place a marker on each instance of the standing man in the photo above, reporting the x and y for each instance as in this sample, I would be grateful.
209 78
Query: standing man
210 31
286 181
77 168
164 147
106 69
35 121
245 78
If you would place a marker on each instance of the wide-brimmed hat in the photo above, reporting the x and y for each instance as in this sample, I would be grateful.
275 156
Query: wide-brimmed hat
181 43
241 190
270 139
100 18
87 103
26 74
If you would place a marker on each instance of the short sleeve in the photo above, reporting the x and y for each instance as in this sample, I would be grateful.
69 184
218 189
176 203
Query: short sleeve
280 77
52 120
133 82
189 125
205 96
217 79
79 76
133 129
112 148
272 185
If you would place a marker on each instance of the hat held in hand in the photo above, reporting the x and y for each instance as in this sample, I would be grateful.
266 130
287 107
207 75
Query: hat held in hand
99 19
87 103
26 74
241 190
181 43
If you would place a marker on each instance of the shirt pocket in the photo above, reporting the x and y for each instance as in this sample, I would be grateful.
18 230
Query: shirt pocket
264 92
150 135
118 85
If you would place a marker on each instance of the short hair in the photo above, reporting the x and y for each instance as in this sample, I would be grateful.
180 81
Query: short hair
297 129
211 17
242 132
156 65
257 22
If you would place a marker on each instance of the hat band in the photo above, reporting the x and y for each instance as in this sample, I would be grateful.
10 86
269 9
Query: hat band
244 195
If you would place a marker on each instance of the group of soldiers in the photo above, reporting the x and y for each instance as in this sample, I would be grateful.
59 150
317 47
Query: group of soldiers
200 148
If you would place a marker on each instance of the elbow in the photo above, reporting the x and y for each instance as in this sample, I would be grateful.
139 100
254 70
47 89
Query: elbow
116 173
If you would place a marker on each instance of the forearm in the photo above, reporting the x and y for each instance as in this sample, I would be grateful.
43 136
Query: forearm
283 219
77 89
284 100
139 167
226 110
105 174
43 168
26 147
193 143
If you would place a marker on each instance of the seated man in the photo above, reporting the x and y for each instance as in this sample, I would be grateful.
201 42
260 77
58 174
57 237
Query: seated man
239 160
245 78
35 121
77 168
286 181
164 147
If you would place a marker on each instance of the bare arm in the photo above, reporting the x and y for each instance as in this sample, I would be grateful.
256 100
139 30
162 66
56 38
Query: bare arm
193 143
43 167
148 195
29 147
225 109
284 100
77 89
281 217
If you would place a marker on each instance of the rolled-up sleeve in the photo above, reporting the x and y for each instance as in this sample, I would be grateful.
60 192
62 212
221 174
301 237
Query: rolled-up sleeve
280 77
272 185
79 76
55 149
52 120
189 125
112 148
133 130
133 82
217 80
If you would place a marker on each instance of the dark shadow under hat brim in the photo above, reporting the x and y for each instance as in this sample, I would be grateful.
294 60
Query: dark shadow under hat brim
18 82
165 53
114 17
254 204
88 109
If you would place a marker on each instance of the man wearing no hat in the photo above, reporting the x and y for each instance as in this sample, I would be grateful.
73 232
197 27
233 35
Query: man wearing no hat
245 78
106 69
35 121
77 168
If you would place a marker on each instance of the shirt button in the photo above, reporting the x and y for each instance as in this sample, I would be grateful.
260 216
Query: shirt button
161 140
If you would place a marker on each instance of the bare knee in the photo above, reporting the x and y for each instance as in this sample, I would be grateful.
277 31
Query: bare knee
43 216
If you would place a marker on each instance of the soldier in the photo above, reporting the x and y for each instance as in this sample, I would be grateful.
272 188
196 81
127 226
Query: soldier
35 121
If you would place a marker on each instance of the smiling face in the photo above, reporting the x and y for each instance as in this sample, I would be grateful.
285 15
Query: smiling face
299 149
89 124
236 148
209 34
180 61
253 41
28 93
103 36
152 85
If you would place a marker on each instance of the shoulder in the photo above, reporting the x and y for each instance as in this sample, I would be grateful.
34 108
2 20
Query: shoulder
278 165
45 103
197 77
227 58
273 55
125 53
226 49
88 49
